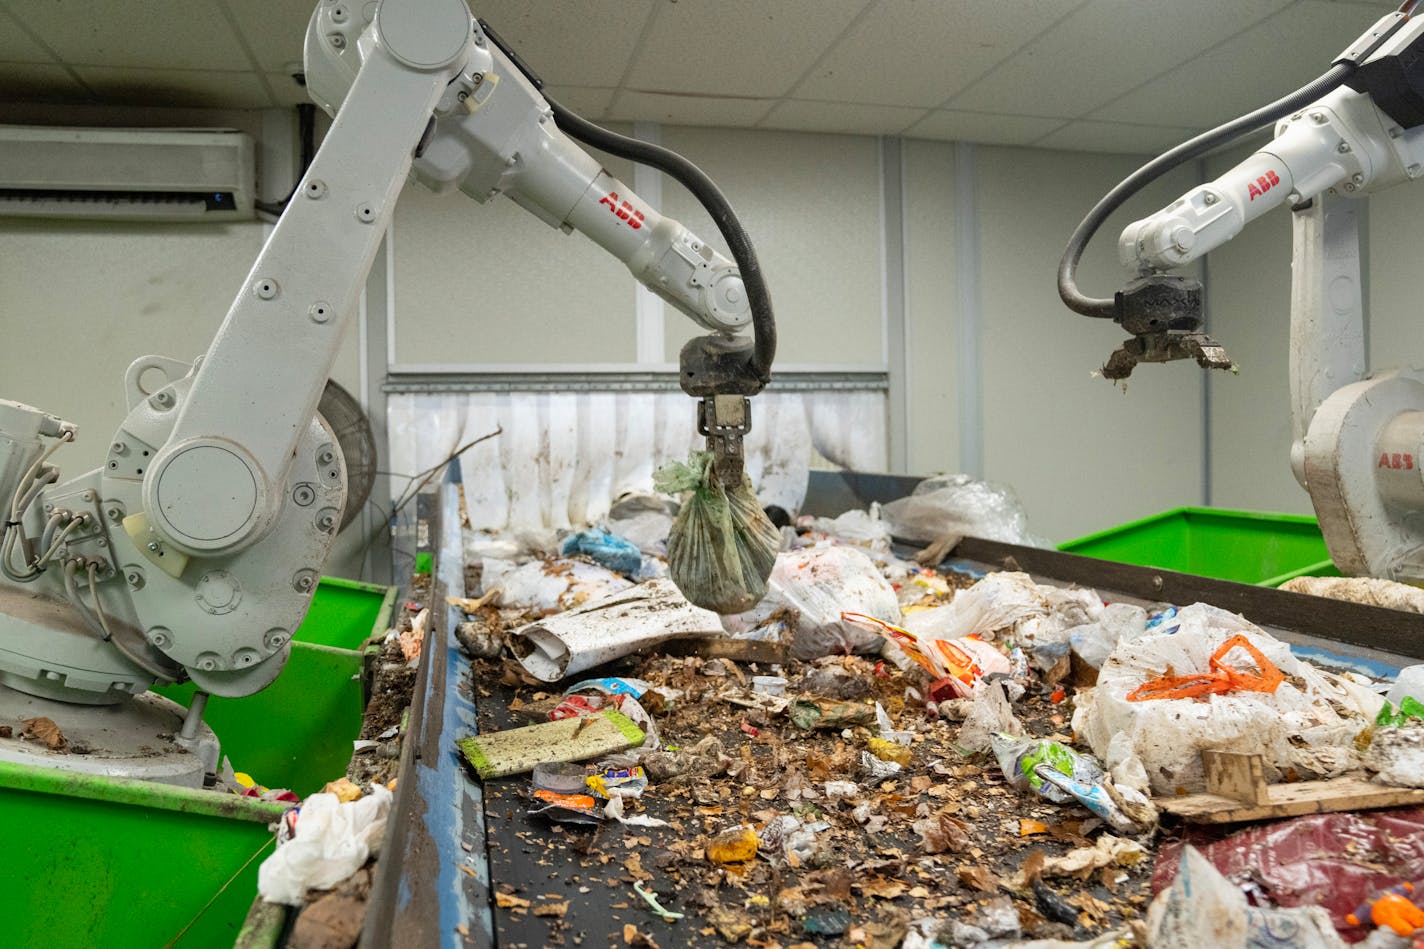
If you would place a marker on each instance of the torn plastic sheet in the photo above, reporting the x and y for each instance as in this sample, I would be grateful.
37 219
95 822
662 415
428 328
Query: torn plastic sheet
608 628
1336 861
1204 910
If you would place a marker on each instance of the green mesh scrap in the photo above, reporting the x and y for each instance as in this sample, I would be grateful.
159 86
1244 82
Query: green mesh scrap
722 546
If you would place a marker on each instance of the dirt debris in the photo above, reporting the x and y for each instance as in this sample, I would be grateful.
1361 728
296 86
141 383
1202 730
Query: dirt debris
945 841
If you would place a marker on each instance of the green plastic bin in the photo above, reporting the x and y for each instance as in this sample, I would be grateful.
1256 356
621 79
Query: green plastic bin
297 732
97 861
1244 546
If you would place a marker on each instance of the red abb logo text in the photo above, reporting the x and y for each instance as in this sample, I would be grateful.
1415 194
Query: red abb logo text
1263 184
623 210
1397 461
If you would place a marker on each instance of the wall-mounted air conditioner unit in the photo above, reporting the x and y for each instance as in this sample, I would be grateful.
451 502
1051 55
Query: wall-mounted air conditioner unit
126 174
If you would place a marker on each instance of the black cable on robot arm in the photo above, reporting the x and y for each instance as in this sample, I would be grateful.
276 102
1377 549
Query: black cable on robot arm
694 180
1193 148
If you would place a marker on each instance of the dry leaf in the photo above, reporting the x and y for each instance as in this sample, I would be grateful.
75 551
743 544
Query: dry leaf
45 730
1031 869
510 901
941 832
634 867
978 877
552 909
881 888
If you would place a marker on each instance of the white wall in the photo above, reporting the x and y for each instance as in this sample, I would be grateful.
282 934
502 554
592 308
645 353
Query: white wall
490 283
1083 454
811 204
931 325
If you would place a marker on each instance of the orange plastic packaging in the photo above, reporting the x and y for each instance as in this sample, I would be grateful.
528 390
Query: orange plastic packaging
1219 681
956 663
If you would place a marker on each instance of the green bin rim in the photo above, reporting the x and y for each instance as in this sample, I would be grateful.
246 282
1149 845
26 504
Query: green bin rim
128 791
1222 512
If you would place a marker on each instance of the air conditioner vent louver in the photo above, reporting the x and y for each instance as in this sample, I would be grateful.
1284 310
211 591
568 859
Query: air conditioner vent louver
126 174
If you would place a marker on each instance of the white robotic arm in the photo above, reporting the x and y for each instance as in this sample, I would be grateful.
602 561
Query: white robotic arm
1356 438
196 548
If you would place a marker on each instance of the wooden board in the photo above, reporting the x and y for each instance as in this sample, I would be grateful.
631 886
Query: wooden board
1236 776
1290 800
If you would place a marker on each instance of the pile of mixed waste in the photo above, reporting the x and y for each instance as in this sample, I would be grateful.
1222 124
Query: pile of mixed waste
883 752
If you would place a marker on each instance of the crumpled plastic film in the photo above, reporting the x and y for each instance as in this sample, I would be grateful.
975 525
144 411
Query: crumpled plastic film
332 841
958 504
722 545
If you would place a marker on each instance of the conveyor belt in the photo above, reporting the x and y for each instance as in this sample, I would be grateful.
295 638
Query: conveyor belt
453 842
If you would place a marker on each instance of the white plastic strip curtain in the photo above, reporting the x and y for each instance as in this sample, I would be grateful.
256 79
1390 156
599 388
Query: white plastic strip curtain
563 458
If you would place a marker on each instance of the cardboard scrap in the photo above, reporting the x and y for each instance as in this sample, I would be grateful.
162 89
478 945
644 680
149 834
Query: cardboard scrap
517 750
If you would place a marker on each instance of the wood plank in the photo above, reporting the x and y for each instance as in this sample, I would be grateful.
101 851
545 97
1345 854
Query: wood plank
1291 800
1236 776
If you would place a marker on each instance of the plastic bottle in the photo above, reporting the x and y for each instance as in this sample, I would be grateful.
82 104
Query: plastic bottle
1410 682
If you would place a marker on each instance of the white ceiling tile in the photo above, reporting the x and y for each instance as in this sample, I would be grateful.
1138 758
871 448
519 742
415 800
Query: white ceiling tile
917 53
16 45
1115 138
1248 71
586 101
176 87
844 117
135 33
737 47
1106 49
946 126
273 29
687 110
39 82
587 47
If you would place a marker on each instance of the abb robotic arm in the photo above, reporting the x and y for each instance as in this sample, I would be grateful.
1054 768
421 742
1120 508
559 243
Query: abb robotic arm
195 549
1357 436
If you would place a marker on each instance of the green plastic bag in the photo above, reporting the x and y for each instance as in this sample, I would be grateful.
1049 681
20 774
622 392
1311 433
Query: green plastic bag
1411 710
722 546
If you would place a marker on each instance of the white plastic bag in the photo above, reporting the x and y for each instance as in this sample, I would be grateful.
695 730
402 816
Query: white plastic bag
1119 622
332 841
959 505
1309 723
821 583
860 528
1009 605
644 519
991 714
1397 756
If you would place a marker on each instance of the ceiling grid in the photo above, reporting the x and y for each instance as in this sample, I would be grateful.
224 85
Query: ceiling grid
1086 75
